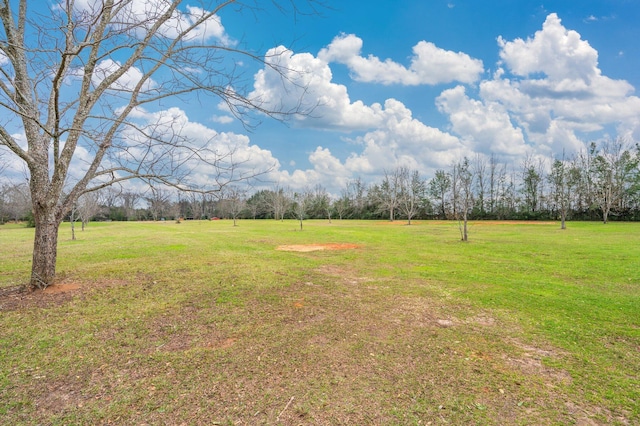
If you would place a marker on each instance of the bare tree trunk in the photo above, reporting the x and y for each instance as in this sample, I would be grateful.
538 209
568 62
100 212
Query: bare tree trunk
45 249
465 234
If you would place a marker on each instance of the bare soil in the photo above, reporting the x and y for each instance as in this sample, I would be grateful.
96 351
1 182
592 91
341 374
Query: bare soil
16 297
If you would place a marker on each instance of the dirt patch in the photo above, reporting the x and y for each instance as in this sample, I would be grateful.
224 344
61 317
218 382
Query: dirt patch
483 320
54 295
532 363
346 276
61 288
317 247
14 298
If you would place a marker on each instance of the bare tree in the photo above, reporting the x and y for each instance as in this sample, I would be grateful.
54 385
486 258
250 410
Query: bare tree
387 193
88 206
279 201
73 217
234 202
159 201
300 205
497 179
356 193
16 200
109 197
480 173
129 200
462 179
582 164
614 170
197 204
320 203
77 79
412 192
341 205
563 179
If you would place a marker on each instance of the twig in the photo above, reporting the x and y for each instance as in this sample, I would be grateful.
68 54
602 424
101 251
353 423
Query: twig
284 409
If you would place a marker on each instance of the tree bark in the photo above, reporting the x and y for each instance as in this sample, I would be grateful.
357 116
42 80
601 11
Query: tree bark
465 235
45 250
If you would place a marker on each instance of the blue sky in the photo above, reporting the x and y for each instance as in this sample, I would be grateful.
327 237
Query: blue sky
424 83
549 77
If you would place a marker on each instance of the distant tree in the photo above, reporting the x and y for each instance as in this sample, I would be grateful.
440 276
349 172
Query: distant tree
439 187
235 202
480 180
462 178
560 189
584 203
509 199
387 193
614 171
356 192
492 182
158 201
342 205
129 201
258 204
197 202
73 217
16 201
279 201
412 192
109 196
532 178
320 205
300 205
88 206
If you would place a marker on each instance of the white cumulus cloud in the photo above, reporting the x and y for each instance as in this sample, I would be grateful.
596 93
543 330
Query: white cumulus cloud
429 64
551 95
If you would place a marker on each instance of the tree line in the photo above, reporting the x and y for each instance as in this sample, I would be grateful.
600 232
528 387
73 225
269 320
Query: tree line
600 183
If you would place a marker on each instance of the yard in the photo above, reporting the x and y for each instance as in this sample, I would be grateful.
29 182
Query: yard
349 322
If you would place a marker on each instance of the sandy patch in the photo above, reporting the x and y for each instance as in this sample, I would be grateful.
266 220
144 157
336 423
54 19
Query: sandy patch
61 288
316 247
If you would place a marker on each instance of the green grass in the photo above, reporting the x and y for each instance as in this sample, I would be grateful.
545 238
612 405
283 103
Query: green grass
206 323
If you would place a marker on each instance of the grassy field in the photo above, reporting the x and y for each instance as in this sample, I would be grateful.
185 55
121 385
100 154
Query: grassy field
206 323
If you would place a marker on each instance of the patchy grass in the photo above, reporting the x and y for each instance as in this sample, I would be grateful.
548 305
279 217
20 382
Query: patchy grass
206 323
